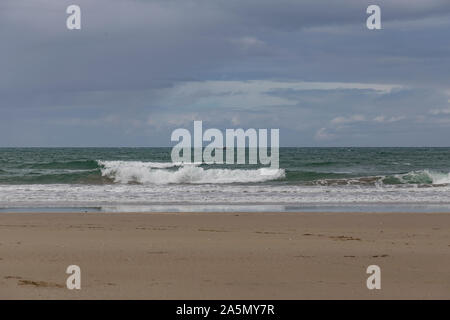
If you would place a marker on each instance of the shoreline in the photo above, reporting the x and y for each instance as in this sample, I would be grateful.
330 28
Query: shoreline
195 255
235 208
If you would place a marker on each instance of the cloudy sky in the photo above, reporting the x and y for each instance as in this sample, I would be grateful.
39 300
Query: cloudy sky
139 69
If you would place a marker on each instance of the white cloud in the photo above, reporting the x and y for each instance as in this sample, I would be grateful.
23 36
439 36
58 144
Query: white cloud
252 94
247 43
218 87
436 112
346 120
379 119
323 134
384 119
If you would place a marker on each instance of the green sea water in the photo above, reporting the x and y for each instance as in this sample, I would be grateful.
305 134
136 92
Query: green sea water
301 165
145 179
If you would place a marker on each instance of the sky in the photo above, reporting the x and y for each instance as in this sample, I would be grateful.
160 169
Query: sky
138 69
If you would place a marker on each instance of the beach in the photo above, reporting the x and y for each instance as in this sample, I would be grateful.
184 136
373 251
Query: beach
233 255
224 150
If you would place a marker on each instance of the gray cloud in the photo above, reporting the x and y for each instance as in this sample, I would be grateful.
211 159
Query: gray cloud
113 82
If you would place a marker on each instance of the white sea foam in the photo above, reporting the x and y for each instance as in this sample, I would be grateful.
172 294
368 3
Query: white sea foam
65 195
163 173
424 177
438 177
414 178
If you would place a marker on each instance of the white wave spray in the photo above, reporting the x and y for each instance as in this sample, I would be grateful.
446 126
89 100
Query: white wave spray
164 173
424 177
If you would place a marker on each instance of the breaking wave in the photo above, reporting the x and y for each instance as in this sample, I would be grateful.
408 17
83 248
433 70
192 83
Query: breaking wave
165 173
420 177
424 177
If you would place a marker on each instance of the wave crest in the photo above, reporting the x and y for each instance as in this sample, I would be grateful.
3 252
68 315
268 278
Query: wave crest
164 173
420 177
424 177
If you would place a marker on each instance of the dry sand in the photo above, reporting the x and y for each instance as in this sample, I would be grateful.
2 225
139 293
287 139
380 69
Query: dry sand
224 255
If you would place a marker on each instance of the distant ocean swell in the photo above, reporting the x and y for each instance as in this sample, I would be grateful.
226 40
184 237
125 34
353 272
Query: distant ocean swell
150 172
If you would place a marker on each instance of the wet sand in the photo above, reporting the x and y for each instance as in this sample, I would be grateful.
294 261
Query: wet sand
225 255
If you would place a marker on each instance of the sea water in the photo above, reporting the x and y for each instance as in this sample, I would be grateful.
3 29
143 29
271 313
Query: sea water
145 179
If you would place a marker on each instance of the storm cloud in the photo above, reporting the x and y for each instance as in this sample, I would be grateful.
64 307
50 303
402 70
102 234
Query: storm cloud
139 69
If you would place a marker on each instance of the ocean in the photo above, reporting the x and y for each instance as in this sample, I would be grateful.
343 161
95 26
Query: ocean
145 179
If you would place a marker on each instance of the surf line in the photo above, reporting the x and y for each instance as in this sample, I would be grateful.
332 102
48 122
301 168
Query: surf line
256 140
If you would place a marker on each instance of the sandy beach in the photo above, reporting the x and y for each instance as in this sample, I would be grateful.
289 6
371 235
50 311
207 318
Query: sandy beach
225 255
